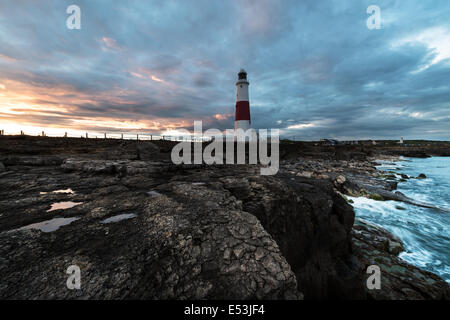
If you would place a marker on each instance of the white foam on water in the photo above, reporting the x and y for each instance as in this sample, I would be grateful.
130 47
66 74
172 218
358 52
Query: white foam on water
419 258
118 218
386 167
425 232
373 206
417 196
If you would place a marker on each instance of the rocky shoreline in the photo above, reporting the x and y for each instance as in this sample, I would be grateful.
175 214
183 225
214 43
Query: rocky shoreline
140 227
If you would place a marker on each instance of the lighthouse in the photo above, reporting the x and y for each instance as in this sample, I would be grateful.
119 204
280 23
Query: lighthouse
242 118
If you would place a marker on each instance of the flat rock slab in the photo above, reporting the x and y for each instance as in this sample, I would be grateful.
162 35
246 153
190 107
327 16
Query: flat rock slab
188 231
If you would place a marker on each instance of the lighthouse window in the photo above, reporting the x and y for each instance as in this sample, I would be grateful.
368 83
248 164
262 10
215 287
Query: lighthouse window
241 85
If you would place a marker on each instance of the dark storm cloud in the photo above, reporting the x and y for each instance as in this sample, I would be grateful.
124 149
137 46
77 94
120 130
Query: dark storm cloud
315 69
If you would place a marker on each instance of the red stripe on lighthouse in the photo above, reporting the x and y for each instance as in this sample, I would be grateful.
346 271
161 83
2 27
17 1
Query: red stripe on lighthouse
242 110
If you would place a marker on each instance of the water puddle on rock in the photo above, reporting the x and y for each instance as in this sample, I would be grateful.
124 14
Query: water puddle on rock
154 194
49 225
64 191
119 217
67 191
63 205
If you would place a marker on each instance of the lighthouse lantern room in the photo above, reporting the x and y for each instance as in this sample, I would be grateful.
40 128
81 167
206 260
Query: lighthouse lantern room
242 118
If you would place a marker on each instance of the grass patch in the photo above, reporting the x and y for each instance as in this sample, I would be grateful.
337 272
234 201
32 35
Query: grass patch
376 196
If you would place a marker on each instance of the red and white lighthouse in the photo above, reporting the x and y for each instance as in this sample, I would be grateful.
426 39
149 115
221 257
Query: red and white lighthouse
242 118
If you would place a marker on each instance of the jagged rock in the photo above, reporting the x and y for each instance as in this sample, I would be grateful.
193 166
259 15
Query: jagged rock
190 231
99 212
358 184
32 160
2 167
399 280
306 174
376 196
176 248
340 179
147 150
112 166
94 166
311 225
395 247
245 236
421 176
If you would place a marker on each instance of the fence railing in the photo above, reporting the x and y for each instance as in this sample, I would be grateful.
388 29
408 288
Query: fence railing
122 136
117 136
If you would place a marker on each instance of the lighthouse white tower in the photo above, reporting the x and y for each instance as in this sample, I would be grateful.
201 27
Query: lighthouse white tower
242 118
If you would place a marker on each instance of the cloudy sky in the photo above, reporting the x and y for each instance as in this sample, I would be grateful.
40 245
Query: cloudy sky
315 69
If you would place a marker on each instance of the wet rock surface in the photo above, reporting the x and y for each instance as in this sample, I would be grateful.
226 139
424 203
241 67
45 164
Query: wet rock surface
191 231
186 241
355 178
399 280
311 224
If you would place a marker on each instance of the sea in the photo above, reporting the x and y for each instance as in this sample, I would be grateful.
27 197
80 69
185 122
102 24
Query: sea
425 232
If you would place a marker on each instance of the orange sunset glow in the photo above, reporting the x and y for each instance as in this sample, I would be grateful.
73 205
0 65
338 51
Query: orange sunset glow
32 108
151 68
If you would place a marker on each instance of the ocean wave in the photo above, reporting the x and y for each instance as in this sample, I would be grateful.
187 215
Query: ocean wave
425 234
